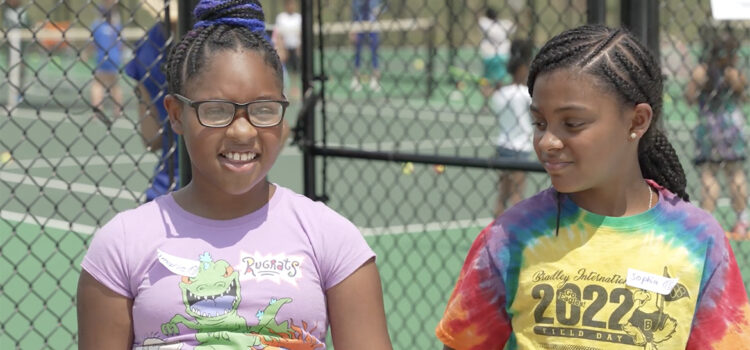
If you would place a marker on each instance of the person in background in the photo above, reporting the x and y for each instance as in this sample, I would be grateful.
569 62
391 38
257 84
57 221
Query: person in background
719 90
106 34
494 49
510 104
366 13
288 32
149 56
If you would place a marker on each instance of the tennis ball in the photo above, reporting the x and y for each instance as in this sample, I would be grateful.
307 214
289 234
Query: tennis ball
439 168
5 157
484 82
418 64
407 168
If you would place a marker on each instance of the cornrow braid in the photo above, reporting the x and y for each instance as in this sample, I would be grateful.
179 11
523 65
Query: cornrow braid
599 48
659 162
222 25
632 74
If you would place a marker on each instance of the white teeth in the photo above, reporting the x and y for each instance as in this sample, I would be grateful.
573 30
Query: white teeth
240 157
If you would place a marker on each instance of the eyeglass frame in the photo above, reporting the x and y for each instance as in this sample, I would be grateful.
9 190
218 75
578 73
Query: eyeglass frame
196 104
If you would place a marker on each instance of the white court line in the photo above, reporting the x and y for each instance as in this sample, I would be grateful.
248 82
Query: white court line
62 162
47 222
44 183
422 115
57 116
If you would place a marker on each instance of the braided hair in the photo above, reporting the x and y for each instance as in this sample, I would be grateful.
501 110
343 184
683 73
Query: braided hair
221 25
632 74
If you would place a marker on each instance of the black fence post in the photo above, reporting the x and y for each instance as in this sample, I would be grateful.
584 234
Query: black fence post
452 50
185 22
596 12
641 17
307 143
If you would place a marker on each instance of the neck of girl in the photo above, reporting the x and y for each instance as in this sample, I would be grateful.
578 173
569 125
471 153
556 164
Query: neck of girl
618 198
212 203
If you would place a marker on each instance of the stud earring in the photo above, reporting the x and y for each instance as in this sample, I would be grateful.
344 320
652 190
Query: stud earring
633 135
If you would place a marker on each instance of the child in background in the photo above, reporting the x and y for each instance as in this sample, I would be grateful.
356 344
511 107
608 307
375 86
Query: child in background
287 32
494 49
230 260
106 34
511 105
719 89
613 255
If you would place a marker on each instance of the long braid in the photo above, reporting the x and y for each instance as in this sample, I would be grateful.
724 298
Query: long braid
221 25
658 161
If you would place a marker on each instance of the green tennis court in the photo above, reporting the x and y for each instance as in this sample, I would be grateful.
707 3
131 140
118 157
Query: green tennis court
68 176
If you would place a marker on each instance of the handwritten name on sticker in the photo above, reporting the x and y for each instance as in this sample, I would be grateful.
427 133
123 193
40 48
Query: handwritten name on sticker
179 266
650 282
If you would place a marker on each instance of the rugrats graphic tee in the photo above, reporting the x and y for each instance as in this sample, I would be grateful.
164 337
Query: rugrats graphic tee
662 279
257 281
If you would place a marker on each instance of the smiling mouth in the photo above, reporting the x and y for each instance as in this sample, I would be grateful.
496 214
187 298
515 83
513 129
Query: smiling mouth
552 166
239 156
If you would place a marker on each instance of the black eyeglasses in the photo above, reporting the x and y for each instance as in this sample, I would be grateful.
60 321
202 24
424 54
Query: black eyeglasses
221 113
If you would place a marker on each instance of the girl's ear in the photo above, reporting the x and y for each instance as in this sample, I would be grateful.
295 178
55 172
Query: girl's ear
174 112
642 116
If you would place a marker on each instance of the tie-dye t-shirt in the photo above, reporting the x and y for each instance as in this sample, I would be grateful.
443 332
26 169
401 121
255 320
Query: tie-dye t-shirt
255 282
665 278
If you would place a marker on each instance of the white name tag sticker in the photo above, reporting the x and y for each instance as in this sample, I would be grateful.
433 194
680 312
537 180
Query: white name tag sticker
179 266
650 282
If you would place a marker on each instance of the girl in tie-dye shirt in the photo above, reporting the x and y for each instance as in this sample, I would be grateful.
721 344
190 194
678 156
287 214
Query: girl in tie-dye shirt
613 256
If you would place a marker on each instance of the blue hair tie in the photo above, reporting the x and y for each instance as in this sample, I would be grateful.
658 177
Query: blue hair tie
253 24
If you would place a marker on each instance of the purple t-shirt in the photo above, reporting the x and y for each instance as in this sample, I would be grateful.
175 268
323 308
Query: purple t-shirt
254 281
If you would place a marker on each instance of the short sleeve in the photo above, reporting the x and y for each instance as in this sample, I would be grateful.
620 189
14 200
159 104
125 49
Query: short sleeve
722 317
475 317
106 259
343 249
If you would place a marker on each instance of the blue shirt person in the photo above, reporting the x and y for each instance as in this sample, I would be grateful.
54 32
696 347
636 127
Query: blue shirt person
145 67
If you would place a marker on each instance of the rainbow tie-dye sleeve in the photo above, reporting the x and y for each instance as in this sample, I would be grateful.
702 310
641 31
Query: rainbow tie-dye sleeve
722 318
475 317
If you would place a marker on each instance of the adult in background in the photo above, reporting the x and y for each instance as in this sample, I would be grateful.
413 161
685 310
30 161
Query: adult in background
366 12
145 68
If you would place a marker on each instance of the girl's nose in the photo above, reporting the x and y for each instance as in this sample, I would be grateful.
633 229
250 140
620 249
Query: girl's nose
548 141
241 129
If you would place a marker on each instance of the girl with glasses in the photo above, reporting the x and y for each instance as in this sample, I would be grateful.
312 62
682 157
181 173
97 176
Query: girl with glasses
230 260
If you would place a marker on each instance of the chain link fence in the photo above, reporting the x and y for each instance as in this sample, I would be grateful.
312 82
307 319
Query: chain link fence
405 148
406 144
71 151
